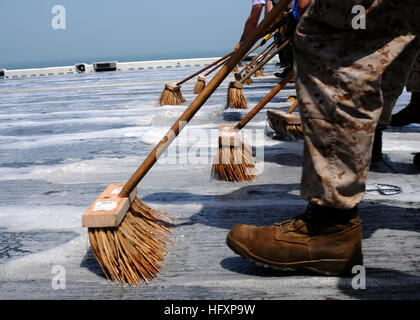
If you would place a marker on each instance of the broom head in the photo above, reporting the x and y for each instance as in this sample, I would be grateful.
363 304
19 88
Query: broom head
234 161
171 95
200 84
248 81
236 98
128 238
286 125
238 76
259 73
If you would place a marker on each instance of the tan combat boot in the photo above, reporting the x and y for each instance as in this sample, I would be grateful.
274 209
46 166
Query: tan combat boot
324 240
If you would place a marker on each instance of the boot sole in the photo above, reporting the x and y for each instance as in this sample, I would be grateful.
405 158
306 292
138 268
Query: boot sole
329 267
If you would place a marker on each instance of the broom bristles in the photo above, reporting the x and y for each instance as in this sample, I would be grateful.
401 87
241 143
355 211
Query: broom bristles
285 130
294 130
236 98
134 250
249 80
234 163
171 95
199 85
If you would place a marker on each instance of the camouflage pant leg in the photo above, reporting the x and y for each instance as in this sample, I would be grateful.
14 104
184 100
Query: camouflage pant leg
413 83
395 79
338 80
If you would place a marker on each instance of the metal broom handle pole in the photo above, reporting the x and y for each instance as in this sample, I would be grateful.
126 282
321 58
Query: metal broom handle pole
152 158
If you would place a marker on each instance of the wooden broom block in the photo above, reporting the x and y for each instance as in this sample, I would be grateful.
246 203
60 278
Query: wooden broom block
108 210
284 116
171 86
228 135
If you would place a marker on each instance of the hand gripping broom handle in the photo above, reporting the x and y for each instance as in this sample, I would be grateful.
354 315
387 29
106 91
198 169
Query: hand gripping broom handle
151 159
265 100
205 68
264 61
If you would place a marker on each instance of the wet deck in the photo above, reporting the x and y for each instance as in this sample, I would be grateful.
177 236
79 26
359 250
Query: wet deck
63 139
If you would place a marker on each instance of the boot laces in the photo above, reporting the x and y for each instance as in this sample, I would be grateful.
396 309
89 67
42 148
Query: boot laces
291 222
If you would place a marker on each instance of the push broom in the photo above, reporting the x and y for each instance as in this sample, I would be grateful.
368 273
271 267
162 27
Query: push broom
286 124
128 238
172 95
234 161
201 80
235 97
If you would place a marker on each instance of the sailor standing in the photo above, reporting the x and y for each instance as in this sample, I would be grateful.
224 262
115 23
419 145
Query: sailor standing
339 73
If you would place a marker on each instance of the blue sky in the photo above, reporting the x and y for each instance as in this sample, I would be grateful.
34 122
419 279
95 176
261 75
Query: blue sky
124 30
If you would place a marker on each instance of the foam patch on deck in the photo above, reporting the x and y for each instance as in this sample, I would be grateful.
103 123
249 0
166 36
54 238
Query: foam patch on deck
41 217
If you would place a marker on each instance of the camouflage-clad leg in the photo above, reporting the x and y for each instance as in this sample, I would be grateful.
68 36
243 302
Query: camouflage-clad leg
411 113
402 72
338 79
413 83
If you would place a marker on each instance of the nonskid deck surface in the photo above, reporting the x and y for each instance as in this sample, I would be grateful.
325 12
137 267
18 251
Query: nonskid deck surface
63 139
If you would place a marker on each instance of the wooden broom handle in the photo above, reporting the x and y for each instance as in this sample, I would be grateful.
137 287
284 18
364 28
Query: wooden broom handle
264 101
222 62
262 57
269 47
263 62
205 68
152 158
257 46
293 107
215 68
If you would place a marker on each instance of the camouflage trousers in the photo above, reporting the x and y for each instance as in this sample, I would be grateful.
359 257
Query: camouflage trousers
398 75
413 82
343 80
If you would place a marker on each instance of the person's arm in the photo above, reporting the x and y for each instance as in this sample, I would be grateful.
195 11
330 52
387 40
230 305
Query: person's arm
268 7
302 6
251 22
